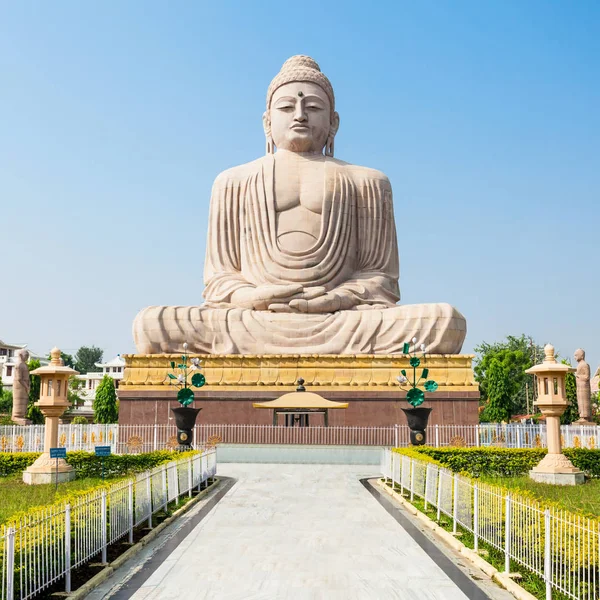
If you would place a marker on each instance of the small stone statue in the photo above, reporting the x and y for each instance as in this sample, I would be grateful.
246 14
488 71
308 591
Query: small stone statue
21 385
584 390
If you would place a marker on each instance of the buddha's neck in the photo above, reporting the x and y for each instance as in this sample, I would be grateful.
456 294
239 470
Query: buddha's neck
289 155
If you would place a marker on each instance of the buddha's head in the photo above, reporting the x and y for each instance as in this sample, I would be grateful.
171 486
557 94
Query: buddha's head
23 355
300 114
579 354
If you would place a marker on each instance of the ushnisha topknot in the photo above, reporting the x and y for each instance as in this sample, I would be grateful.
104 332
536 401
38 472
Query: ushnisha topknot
301 68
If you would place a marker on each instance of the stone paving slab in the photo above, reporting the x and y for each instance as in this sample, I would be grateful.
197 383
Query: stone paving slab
291 531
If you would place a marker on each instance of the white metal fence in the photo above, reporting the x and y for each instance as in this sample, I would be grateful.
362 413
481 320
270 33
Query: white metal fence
43 547
562 548
143 438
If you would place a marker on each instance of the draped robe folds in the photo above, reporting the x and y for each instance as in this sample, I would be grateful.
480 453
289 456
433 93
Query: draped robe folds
356 252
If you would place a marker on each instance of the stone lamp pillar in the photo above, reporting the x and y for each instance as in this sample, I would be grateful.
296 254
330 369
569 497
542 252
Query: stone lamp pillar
555 467
53 403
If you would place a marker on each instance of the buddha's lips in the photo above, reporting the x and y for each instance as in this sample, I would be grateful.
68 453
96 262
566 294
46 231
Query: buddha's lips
301 127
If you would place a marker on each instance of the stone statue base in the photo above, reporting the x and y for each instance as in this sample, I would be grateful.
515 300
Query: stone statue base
557 469
583 422
234 382
44 470
558 478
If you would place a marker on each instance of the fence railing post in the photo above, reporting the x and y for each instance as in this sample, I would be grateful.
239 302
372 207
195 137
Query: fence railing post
104 525
476 516
396 436
455 502
412 479
68 548
131 515
439 494
394 457
149 492
547 557
155 444
477 433
437 436
10 563
507 536
190 482
163 478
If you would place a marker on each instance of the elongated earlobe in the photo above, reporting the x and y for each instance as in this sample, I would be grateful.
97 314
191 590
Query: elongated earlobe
270 146
335 125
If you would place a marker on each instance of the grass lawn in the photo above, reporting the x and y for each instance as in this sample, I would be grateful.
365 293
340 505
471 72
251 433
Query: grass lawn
583 498
17 496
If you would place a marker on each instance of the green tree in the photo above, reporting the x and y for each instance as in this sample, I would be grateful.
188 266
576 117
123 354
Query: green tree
524 344
105 403
572 412
500 391
74 391
67 359
501 376
6 403
33 412
86 359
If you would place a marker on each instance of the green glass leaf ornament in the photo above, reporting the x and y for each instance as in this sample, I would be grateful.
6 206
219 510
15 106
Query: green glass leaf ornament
185 396
403 372
172 364
430 386
415 396
181 367
171 376
415 361
425 373
198 379
406 348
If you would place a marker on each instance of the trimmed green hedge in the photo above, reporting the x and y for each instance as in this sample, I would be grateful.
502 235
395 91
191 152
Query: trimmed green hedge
504 462
87 464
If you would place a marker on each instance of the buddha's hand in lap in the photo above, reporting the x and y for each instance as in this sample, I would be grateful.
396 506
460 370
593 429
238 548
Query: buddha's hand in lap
273 297
327 303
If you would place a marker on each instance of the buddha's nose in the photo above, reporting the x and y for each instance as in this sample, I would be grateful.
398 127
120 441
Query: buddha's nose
300 115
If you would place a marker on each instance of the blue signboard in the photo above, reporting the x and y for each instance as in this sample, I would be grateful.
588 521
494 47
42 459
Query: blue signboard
102 450
58 453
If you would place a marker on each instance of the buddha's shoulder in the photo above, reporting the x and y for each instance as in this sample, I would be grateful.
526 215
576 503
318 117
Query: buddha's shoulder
239 173
360 174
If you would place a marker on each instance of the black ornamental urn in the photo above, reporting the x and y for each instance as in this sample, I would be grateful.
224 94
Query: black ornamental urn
417 422
185 419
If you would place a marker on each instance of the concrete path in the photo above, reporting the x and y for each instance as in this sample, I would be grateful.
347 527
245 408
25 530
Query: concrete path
298 532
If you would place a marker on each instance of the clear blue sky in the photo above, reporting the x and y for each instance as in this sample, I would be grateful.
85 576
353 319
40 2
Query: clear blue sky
117 116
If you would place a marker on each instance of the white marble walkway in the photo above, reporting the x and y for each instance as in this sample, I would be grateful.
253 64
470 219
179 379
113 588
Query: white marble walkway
298 532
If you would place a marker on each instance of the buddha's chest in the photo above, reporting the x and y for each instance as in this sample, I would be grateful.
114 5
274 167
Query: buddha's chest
300 186
300 191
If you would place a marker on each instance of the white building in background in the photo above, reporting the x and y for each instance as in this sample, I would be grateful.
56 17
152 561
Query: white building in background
114 368
8 361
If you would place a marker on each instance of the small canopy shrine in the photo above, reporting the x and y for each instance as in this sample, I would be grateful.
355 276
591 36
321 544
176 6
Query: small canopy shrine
299 405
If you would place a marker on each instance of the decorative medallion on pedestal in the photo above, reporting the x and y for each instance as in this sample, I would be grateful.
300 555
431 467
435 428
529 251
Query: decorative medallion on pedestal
417 416
185 416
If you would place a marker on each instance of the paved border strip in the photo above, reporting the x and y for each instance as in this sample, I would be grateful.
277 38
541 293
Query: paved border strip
466 585
138 579
501 579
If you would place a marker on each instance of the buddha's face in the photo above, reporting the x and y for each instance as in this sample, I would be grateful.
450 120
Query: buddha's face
300 117
579 354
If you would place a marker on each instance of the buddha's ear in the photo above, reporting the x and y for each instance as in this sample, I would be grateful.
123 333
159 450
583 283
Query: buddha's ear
333 129
335 124
270 146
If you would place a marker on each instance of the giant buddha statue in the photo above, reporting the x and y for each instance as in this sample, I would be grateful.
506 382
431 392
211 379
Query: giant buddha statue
301 251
